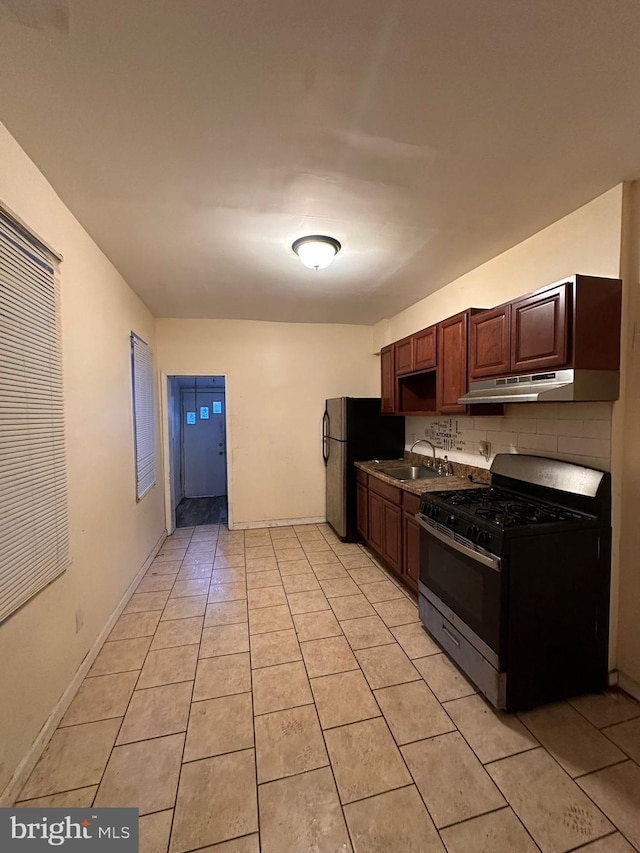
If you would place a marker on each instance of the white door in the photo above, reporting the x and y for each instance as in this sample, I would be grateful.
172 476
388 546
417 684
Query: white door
204 452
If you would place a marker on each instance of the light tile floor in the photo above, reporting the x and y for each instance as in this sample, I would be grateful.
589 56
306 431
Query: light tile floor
273 690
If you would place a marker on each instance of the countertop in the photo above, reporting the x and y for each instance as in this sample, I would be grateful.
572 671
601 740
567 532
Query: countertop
458 480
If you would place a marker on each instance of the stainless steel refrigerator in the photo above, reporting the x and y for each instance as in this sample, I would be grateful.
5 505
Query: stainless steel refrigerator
353 430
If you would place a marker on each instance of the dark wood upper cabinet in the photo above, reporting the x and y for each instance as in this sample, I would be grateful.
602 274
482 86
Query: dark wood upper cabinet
595 323
540 330
387 380
417 352
489 343
425 353
575 323
452 363
571 324
404 355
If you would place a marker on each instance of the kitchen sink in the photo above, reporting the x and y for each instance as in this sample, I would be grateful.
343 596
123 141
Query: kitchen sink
411 472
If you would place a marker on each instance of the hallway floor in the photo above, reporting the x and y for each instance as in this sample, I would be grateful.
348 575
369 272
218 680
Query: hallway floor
272 690
192 512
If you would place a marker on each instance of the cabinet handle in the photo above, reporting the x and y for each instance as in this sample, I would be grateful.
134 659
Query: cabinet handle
453 639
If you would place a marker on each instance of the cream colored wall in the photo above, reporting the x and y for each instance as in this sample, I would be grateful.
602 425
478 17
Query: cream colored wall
111 535
588 241
278 377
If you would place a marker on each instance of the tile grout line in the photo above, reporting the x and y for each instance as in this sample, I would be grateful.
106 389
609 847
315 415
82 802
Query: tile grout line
326 749
255 740
104 770
184 744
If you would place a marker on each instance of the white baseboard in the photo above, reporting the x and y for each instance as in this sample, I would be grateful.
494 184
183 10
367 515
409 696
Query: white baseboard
276 522
23 770
629 685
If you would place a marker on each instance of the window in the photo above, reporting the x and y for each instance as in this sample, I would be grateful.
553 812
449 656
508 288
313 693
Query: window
34 526
143 415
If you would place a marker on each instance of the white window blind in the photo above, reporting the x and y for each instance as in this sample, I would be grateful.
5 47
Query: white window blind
34 528
143 415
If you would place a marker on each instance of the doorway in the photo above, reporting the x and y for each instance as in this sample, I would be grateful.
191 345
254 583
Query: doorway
196 408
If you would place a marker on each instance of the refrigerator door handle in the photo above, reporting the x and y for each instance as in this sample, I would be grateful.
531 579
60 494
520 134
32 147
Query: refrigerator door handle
325 436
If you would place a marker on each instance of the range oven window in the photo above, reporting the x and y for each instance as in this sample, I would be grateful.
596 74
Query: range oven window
469 588
446 572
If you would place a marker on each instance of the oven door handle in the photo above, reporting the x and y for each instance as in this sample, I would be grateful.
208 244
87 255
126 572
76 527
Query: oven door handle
485 559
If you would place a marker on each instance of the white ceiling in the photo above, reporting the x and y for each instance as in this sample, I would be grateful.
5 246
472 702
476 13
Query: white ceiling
196 139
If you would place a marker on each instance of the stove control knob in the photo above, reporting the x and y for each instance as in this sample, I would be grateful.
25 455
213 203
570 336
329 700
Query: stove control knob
451 521
472 531
484 538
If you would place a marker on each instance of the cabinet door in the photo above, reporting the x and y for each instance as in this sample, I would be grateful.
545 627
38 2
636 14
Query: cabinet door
424 349
539 330
404 355
452 363
376 522
392 552
489 343
387 380
411 550
363 510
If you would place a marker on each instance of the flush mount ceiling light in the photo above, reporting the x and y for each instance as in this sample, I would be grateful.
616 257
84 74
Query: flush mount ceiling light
317 251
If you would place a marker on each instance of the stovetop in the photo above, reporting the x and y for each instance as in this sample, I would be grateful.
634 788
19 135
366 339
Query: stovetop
503 508
487 517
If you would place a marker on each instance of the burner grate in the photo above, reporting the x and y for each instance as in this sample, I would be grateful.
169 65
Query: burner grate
501 508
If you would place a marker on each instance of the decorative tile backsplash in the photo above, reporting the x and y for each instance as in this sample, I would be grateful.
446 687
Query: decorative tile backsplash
576 432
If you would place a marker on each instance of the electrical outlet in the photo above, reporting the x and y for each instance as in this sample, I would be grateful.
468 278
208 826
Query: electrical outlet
485 449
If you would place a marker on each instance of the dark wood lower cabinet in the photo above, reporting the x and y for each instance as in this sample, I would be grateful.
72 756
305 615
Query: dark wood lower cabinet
362 504
390 528
410 540
392 546
376 522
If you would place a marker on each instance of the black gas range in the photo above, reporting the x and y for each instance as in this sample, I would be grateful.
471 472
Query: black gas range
514 579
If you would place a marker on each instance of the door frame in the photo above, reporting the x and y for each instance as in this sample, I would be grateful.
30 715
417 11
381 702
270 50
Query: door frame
165 377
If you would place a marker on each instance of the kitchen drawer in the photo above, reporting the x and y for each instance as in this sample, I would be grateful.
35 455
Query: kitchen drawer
361 476
410 503
390 493
486 678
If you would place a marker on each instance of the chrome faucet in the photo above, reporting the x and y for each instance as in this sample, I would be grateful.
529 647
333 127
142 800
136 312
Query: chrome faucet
426 441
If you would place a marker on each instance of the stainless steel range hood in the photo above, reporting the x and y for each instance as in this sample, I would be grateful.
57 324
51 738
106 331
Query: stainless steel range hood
552 386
